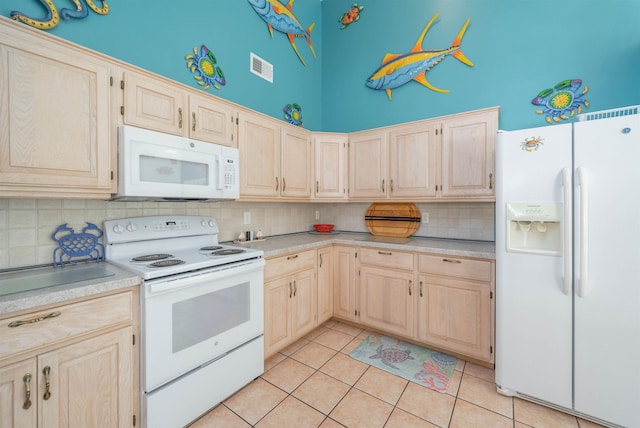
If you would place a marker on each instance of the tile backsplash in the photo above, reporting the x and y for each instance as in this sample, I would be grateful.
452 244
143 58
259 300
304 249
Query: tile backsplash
26 225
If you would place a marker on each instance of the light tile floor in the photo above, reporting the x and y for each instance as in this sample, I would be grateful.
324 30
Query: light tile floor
314 383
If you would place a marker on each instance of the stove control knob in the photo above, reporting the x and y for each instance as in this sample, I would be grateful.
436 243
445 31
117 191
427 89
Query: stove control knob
118 228
203 223
212 223
132 227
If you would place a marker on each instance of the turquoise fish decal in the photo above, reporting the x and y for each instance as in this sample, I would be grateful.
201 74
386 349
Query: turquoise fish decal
398 69
278 16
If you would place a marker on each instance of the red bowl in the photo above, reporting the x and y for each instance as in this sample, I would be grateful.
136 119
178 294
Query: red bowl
323 228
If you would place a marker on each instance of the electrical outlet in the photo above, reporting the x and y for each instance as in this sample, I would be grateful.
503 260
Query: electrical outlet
317 215
425 217
247 217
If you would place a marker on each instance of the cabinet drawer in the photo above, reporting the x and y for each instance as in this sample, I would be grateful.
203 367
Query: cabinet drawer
457 267
386 258
286 265
73 320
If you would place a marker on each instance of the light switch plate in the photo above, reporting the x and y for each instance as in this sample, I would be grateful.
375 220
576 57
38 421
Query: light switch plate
247 217
425 217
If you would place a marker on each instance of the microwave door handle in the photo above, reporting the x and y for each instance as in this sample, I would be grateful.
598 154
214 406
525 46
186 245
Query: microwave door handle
220 172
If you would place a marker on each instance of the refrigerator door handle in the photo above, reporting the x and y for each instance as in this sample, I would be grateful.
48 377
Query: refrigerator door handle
568 247
584 230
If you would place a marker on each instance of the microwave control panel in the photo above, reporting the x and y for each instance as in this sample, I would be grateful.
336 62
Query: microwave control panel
230 176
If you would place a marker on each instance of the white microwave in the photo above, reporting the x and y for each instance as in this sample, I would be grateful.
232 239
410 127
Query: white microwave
164 167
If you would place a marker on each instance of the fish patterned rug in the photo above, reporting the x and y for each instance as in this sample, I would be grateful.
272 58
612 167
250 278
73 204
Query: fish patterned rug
417 364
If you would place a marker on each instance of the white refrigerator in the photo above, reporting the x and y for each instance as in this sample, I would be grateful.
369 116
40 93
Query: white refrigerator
568 266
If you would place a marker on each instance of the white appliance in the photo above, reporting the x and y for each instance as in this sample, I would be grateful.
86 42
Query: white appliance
202 319
568 266
164 167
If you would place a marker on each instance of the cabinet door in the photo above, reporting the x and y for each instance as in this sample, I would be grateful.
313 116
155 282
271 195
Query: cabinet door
90 383
412 161
154 104
325 284
259 144
368 165
386 299
55 133
330 166
468 152
344 282
296 163
211 121
15 380
305 297
455 315
277 302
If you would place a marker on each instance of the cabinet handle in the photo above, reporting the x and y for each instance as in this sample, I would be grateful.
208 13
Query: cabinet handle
383 184
27 386
47 382
385 253
490 180
34 320
180 117
391 184
420 288
451 261
193 122
317 186
277 184
320 260
410 284
284 184
295 289
295 256
290 290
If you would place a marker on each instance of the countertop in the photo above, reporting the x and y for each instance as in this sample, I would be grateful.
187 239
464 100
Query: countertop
277 245
53 285
49 285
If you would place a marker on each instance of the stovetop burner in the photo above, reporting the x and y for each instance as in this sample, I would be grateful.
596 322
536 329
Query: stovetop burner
151 257
227 252
165 263
211 248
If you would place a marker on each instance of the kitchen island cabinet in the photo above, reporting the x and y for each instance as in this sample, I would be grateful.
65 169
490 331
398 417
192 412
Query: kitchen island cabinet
72 364
57 137
290 299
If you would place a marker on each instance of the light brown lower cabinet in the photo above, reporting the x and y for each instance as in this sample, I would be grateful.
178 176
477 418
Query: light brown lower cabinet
385 285
71 377
290 298
325 284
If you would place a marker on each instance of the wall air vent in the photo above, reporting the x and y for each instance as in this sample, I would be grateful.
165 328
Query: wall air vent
261 67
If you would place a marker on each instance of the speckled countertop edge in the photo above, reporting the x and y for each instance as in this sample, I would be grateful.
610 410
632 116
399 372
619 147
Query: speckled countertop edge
121 278
278 245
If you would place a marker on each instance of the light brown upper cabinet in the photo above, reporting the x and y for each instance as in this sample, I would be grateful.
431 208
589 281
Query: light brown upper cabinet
448 158
275 160
56 130
155 103
330 166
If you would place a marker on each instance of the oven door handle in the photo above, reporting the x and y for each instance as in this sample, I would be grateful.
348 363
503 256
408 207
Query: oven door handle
164 285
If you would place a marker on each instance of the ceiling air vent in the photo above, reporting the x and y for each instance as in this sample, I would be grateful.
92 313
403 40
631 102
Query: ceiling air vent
261 67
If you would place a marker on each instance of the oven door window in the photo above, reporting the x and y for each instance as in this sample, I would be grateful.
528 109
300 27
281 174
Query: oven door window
203 317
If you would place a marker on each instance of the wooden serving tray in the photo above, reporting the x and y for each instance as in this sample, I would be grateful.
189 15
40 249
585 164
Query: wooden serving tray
399 219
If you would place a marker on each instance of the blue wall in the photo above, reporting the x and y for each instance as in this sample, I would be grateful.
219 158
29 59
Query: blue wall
518 48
